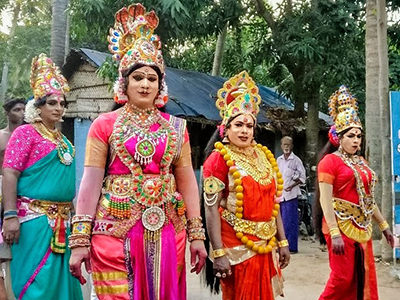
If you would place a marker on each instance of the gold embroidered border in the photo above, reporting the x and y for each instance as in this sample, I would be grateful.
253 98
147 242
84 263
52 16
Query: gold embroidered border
346 210
114 289
262 230
104 276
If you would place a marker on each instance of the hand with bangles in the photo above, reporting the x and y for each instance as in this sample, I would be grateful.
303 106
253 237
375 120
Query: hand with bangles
11 230
222 267
79 255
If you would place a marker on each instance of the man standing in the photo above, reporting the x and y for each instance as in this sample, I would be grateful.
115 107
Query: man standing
294 174
14 109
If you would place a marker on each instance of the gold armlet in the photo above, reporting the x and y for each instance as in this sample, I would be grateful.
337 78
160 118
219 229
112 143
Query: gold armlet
383 225
334 232
218 253
283 243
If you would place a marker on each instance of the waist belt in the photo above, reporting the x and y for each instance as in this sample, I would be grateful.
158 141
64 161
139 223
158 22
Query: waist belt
56 212
352 221
262 230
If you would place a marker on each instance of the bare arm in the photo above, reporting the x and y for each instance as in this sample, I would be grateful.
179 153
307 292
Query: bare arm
88 197
187 186
89 191
9 191
326 194
378 217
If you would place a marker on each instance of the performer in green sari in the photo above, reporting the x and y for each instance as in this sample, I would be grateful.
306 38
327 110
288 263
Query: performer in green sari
38 188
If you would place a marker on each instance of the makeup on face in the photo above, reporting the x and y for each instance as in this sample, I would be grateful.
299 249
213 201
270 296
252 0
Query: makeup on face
142 87
351 140
241 131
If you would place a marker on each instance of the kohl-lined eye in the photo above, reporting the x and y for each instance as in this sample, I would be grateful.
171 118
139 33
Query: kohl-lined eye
138 77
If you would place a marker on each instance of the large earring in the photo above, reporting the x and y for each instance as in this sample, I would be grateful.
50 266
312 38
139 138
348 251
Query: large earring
225 140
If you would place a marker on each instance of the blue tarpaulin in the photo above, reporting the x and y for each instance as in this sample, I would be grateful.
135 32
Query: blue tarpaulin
193 94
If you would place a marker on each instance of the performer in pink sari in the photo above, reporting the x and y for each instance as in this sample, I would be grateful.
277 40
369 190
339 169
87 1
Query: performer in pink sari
130 225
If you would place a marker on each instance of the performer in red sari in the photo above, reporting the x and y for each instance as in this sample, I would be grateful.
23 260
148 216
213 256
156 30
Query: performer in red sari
130 227
346 184
241 185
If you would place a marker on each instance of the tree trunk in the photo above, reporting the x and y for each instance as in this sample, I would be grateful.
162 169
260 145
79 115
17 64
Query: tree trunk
372 114
219 51
312 130
4 75
58 31
386 177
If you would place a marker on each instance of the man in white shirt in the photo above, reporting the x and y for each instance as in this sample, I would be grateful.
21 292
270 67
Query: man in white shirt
294 174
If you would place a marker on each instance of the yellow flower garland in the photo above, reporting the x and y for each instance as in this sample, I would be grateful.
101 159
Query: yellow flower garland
239 195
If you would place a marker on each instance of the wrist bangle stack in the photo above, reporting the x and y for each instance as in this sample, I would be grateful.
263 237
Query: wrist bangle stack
195 229
334 232
11 213
81 231
283 243
218 253
383 225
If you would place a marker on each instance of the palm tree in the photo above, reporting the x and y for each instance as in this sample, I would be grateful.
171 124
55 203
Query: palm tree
59 31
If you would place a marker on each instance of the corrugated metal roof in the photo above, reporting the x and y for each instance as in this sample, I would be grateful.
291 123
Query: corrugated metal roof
193 94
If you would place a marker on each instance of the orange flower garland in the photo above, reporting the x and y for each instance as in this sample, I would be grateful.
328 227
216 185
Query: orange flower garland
239 195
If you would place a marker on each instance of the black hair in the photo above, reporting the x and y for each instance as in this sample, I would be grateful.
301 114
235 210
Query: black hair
42 101
10 103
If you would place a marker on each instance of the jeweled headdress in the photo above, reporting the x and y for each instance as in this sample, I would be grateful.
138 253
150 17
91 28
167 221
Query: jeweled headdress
132 41
239 95
343 109
46 78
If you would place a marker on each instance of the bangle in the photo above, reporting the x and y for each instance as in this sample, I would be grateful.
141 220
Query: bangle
383 225
195 222
11 213
75 241
218 253
283 243
334 232
81 218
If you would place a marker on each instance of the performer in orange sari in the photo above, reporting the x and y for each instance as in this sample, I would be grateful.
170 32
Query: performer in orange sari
346 184
130 227
241 185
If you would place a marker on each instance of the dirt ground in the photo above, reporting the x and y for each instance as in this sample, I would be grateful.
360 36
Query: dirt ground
306 275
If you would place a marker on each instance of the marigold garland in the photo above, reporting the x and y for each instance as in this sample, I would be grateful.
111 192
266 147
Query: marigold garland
239 195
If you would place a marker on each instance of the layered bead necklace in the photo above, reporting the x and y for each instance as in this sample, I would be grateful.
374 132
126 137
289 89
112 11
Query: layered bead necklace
141 121
238 188
367 202
65 153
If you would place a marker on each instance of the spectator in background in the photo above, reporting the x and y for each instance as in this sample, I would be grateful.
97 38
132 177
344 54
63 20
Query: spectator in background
294 174
14 109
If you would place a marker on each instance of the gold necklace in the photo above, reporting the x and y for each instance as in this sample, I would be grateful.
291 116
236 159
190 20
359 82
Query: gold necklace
238 187
253 161
65 154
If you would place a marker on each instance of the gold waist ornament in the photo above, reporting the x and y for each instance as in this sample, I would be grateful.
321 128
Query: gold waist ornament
351 221
52 209
262 230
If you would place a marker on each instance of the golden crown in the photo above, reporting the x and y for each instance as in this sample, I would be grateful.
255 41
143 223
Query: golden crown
343 109
239 95
132 41
46 78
